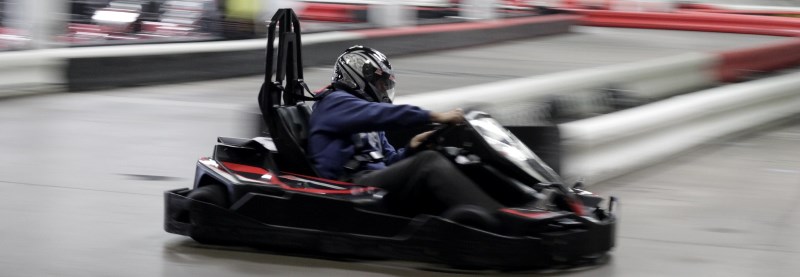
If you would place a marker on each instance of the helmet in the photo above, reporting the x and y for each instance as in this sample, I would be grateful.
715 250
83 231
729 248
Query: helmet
366 73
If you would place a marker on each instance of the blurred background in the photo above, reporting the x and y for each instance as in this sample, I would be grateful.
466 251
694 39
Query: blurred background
68 23
98 22
686 110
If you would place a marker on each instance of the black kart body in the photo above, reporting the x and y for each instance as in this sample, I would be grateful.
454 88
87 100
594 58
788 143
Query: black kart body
264 192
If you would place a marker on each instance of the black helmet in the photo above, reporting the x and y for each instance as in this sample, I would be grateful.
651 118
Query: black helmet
366 73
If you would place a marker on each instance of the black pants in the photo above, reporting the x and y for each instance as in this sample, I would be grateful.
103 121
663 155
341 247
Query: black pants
426 183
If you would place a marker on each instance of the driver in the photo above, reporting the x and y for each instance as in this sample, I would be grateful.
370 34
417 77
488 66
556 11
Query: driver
347 141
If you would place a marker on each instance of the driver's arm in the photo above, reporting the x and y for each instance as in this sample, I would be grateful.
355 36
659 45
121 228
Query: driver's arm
343 113
419 139
390 155
455 116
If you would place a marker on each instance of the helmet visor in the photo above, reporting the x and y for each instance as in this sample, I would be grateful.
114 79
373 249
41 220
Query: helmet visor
384 88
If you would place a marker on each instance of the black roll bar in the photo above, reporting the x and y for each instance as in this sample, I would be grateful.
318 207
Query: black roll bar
286 65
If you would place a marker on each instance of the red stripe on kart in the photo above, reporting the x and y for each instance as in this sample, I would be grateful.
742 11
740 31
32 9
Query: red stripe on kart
245 168
276 181
525 214
322 179
331 191
577 207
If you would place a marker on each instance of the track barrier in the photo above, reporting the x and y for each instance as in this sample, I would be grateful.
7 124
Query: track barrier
90 68
605 146
737 65
585 92
690 21
610 145
331 12
25 72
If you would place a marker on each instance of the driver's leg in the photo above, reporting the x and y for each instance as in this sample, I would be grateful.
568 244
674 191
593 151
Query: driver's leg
424 175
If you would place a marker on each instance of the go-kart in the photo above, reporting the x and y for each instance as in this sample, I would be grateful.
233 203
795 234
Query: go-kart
264 192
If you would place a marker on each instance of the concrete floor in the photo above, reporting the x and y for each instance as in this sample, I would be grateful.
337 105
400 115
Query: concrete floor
729 208
82 175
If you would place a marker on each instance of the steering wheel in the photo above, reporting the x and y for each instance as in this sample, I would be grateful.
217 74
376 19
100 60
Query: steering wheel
436 138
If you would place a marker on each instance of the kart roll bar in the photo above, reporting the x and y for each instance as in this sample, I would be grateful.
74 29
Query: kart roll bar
286 66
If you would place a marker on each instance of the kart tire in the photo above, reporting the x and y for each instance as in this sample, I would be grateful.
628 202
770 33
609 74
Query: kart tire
214 194
211 193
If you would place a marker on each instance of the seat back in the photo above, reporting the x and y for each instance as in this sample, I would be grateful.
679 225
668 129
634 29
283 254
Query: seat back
292 138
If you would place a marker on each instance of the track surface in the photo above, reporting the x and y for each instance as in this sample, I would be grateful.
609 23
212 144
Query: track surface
82 174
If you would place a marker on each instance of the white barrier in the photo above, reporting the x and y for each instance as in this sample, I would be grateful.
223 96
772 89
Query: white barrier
607 146
42 70
186 48
391 13
581 90
662 6
90 68
478 9
23 72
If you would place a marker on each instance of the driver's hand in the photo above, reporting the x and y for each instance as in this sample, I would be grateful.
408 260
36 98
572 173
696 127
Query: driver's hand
455 116
418 139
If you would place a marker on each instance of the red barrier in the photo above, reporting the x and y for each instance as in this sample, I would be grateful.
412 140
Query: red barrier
467 26
738 64
706 8
697 6
748 12
735 65
692 21
331 12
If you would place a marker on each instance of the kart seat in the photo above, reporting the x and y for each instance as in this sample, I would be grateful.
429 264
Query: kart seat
292 139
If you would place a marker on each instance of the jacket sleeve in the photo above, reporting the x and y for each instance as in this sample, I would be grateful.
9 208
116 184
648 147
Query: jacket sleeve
347 114
390 155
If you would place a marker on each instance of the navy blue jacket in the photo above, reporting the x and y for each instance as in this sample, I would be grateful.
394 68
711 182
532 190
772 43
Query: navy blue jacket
340 115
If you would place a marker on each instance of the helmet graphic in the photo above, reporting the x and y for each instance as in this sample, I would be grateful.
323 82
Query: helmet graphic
366 73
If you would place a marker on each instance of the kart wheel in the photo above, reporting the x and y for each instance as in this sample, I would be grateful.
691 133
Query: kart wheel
211 193
214 194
